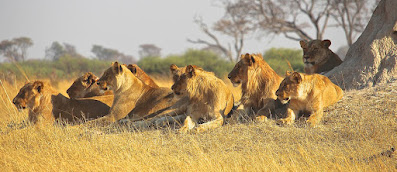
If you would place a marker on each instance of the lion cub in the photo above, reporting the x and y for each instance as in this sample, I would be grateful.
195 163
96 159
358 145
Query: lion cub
307 93
207 95
317 56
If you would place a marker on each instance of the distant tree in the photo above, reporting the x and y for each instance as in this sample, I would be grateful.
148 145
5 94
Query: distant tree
295 18
149 50
57 50
15 49
109 54
235 24
352 16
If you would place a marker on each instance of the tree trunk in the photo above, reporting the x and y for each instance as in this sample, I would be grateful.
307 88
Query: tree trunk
372 58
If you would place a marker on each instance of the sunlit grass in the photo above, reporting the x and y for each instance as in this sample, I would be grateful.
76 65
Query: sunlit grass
362 124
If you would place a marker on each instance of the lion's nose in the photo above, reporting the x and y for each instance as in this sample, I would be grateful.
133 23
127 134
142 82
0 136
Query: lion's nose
14 101
228 76
305 57
98 83
172 87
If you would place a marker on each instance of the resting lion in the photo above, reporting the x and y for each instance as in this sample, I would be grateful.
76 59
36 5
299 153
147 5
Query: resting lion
307 93
317 56
132 96
45 104
86 86
259 83
207 95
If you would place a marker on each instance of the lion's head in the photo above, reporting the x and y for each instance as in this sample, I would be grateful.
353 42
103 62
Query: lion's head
239 74
83 86
108 80
315 52
29 95
289 87
181 78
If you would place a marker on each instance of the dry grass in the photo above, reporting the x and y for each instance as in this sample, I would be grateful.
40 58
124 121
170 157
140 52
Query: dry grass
364 123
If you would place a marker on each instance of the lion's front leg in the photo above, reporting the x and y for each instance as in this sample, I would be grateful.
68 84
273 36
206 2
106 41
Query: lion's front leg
315 117
188 124
290 117
217 122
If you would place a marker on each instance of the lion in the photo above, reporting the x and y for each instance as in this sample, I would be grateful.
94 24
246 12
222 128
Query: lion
307 93
86 86
132 97
140 74
46 105
207 95
317 56
259 83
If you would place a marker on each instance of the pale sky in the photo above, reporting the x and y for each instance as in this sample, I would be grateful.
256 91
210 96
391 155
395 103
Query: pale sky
123 25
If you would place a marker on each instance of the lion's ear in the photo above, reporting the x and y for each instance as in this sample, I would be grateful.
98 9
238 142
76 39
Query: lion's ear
38 85
303 43
91 78
190 71
326 43
249 59
132 68
117 67
296 77
173 68
288 73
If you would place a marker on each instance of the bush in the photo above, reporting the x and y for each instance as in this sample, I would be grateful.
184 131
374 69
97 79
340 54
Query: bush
277 58
67 67
205 59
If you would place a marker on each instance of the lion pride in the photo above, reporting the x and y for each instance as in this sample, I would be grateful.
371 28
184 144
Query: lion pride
207 95
132 96
259 83
45 104
317 56
307 93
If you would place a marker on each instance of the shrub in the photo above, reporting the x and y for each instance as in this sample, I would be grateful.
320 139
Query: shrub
277 58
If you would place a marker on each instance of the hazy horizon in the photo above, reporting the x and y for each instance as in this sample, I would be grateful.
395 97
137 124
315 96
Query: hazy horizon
124 25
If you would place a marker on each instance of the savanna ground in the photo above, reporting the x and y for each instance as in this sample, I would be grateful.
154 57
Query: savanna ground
362 124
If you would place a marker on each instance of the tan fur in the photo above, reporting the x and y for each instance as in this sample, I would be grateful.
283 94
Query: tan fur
259 83
140 74
307 93
132 96
207 95
317 56
86 86
45 104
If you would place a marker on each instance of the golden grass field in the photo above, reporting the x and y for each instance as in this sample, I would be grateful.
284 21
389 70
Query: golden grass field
362 124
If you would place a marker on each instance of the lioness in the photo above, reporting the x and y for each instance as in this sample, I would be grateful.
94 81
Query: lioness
45 104
207 95
259 83
86 86
307 93
132 96
317 56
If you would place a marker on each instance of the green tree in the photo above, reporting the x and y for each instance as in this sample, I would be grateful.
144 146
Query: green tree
277 58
